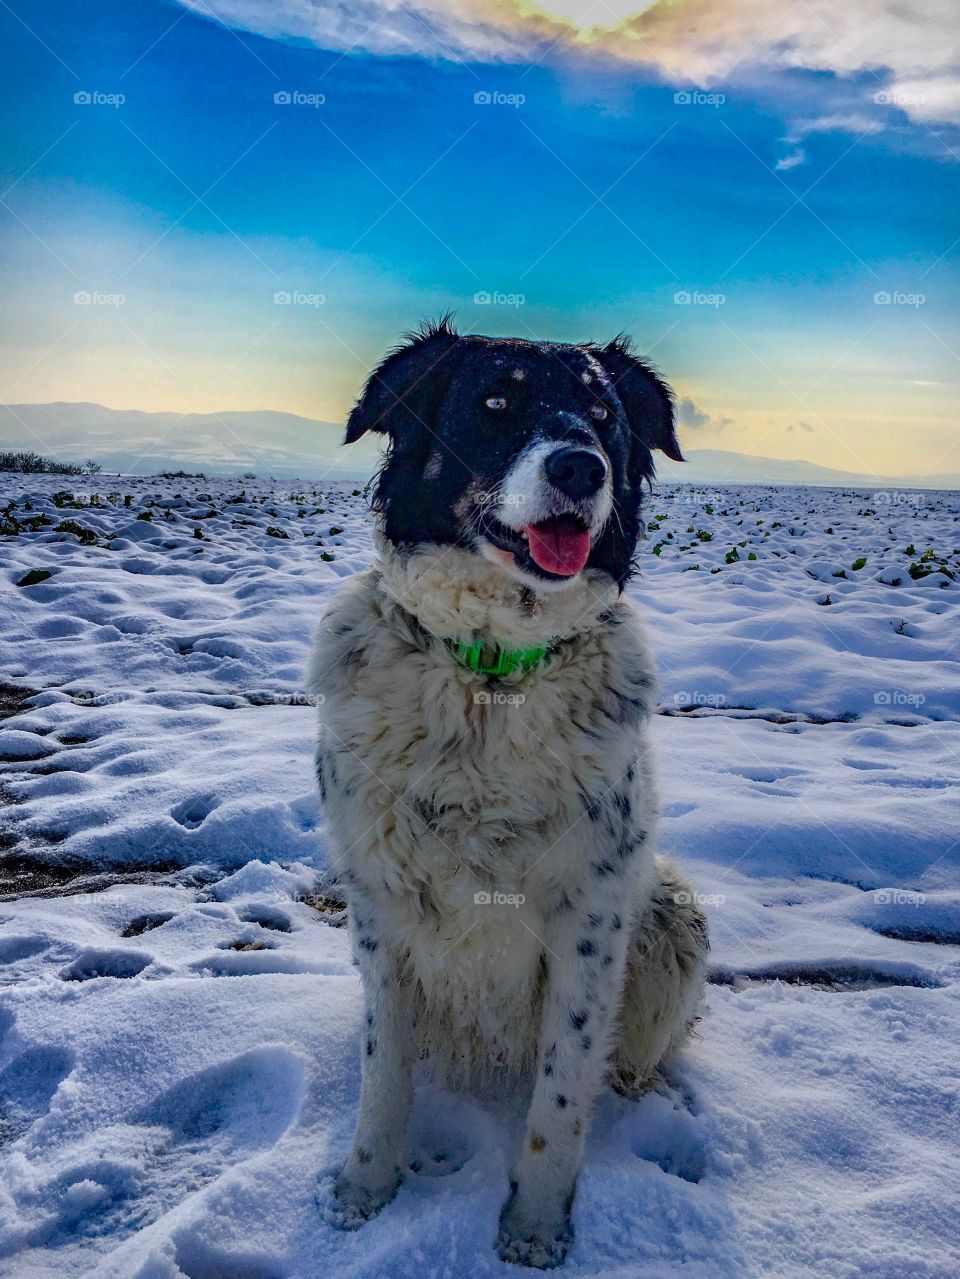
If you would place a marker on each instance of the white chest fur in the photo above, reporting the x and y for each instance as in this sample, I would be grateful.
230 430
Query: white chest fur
472 811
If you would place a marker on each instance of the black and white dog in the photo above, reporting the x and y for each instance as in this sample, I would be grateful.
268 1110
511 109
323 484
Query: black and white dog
485 762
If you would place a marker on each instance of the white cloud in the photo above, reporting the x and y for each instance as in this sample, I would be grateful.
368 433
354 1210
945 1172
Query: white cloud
793 159
458 30
899 46
935 99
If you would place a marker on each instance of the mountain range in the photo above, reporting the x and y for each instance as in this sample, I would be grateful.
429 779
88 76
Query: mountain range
285 445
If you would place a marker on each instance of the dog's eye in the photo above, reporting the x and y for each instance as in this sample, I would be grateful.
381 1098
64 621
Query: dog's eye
598 412
496 402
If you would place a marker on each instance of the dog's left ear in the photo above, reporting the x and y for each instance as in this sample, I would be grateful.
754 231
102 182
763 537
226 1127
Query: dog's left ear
647 399
399 394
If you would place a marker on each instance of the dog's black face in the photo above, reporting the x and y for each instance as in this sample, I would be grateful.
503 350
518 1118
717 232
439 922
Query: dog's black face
531 454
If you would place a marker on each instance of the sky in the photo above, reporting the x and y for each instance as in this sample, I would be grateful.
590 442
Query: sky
241 204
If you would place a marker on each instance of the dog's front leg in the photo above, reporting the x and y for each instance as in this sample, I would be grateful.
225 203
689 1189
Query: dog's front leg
586 957
373 1169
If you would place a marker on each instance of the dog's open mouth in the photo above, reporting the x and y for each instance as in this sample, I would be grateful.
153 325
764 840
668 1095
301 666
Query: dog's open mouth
557 547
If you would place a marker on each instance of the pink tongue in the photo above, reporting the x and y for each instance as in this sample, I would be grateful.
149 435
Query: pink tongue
560 545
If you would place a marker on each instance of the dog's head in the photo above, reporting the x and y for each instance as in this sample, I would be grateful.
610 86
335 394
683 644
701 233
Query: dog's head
531 454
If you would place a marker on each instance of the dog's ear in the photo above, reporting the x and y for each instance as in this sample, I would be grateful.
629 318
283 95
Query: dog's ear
645 396
399 394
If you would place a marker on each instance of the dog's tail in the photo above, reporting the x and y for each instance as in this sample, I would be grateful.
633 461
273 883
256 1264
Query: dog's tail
666 967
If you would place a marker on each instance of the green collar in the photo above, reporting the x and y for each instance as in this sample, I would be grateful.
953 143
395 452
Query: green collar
490 659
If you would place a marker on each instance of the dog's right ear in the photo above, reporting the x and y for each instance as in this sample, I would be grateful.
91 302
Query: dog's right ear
399 395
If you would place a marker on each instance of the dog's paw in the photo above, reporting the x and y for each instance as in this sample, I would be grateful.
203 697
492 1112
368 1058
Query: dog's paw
349 1204
537 1252
526 1242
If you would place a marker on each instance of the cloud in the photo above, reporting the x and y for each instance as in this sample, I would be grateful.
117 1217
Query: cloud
452 30
905 50
802 426
935 98
694 418
792 160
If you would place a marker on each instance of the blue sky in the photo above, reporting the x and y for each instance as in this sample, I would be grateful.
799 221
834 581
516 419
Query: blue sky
781 198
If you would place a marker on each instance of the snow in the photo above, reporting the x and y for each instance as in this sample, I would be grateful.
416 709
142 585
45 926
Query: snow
179 1017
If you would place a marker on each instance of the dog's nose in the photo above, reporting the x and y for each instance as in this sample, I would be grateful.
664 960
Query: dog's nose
578 473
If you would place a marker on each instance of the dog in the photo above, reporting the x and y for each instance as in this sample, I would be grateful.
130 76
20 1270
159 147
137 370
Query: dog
485 763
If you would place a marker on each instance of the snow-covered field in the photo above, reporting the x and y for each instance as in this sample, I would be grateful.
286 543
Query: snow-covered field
179 1017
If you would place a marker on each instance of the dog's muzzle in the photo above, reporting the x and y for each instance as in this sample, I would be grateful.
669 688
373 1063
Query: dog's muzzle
553 502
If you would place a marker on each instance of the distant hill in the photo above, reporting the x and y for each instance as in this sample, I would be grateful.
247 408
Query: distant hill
285 445
228 443
715 466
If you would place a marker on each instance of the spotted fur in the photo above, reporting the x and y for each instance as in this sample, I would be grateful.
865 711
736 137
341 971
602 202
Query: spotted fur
437 801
